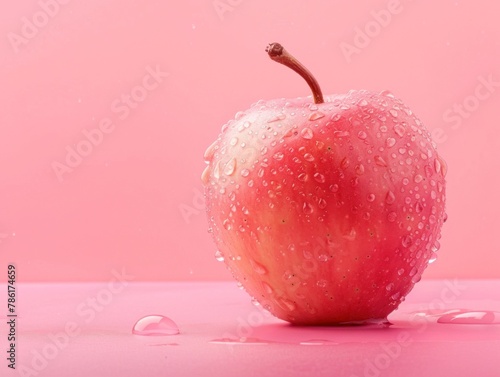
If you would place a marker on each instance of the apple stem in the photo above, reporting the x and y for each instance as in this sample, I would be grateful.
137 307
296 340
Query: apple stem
278 53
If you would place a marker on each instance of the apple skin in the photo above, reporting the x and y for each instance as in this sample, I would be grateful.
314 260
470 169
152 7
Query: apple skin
326 213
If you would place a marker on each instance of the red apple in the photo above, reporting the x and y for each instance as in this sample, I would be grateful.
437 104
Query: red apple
329 210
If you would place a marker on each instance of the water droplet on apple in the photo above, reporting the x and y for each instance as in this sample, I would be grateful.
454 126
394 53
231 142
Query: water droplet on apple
390 142
205 175
210 151
306 133
233 141
217 170
155 325
387 93
390 197
286 304
227 224
308 157
401 271
245 172
418 178
302 177
307 208
399 130
278 156
379 161
418 207
370 197
316 115
257 267
416 278
219 256
389 286
360 169
344 163
413 271
362 102
267 288
250 183
362 135
334 187
406 241
437 165
393 112
277 118
341 133
320 178
230 167
322 203
391 217
470 317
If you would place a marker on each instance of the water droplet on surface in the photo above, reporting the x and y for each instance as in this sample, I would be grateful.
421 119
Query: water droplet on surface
393 112
278 156
379 161
205 175
277 118
155 325
219 256
317 342
210 151
391 217
390 142
307 208
227 224
239 115
242 340
390 197
362 102
257 267
306 133
308 157
418 178
360 169
401 271
334 188
302 177
437 165
230 167
471 317
362 135
245 172
389 286
320 178
322 203
399 130
341 133
316 115
233 141
287 304
406 241
370 197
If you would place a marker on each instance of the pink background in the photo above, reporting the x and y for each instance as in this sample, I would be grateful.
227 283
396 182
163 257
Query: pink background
133 202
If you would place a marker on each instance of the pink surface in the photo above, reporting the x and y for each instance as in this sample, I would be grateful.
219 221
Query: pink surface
86 330
133 199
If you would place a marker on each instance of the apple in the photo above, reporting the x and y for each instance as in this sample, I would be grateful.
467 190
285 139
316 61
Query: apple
327 209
